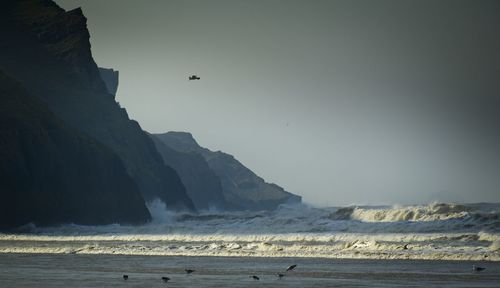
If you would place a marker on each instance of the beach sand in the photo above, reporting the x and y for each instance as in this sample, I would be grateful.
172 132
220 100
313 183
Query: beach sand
74 270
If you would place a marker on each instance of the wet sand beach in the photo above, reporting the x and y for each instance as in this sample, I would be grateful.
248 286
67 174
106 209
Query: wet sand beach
73 270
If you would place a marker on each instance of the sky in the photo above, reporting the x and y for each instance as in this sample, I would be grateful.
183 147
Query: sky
341 102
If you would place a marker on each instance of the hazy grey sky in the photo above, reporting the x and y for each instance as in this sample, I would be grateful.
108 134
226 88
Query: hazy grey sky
338 101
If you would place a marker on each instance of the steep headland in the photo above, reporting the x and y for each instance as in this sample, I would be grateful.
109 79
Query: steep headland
47 50
242 189
110 78
50 173
202 184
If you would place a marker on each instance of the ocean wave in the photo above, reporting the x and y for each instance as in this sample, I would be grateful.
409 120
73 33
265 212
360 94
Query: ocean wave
470 246
281 238
430 218
434 231
423 213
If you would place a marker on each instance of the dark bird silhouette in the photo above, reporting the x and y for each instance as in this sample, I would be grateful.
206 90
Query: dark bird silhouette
254 277
125 277
405 247
477 268
194 77
290 268
280 275
189 271
165 279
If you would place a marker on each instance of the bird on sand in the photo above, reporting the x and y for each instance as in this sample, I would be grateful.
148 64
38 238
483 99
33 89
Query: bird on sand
189 271
477 268
165 279
280 275
125 277
254 277
291 267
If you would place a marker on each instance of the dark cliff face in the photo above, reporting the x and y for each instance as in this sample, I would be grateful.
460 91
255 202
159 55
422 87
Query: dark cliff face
52 174
48 51
201 183
110 78
242 189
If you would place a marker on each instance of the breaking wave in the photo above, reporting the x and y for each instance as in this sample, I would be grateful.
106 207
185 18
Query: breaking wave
431 212
454 216
434 231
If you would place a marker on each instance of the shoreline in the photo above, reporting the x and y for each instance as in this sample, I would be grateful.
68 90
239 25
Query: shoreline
336 256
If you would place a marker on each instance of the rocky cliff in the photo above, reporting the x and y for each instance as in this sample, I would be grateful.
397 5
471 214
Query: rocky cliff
47 50
110 78
242 189
202 184
50 173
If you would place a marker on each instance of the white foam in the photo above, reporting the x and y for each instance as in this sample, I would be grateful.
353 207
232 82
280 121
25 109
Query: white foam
417 232
159 212
346 245
431 212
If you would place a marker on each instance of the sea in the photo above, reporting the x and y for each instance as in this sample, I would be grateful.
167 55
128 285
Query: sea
433 245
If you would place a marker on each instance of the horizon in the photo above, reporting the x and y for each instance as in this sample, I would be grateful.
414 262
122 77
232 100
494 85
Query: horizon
332 100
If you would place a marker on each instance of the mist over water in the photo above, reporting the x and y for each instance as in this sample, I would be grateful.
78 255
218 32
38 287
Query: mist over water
159 212
337 101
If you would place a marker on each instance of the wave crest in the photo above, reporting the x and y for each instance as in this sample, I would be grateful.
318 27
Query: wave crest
431 212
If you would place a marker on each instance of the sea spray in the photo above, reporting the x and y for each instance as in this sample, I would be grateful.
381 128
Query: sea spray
291 231
159 212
